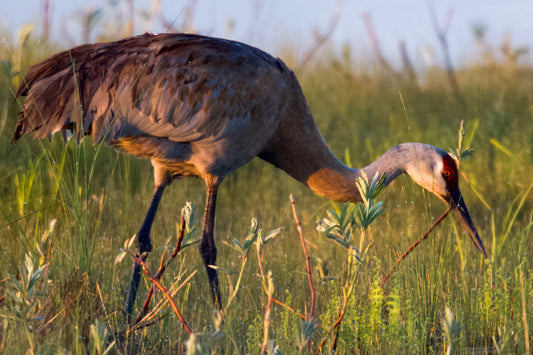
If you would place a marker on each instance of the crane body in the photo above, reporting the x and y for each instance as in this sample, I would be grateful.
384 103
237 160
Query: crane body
202 107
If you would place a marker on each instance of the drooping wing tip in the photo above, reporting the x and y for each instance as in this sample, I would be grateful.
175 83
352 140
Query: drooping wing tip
18 131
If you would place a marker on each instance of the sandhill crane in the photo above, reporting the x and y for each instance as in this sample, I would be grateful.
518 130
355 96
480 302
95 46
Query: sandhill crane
201 106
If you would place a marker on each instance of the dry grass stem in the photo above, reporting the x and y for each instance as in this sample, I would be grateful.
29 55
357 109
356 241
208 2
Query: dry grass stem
162 289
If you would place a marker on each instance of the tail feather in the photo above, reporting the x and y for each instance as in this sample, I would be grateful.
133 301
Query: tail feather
75 88
54 96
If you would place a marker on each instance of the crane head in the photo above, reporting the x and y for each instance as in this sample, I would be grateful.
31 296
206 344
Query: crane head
437 172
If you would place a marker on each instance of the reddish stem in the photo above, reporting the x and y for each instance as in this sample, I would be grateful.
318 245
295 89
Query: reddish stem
415 244
307 259
162 268
290 309
140 261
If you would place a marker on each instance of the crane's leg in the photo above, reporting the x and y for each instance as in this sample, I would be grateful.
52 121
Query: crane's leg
208 250
162 179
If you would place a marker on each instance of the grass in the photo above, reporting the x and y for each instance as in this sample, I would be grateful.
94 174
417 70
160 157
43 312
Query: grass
66 212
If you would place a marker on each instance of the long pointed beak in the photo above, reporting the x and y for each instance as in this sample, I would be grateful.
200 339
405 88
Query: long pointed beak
461 211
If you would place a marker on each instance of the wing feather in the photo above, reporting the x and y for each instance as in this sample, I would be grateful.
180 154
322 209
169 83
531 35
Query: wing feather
178 86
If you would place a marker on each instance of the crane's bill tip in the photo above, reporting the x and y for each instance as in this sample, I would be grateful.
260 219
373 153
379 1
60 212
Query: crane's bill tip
464 216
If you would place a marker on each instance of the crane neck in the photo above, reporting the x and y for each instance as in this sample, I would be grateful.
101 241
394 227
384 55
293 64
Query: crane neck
298 148
392 163
336 181
311 162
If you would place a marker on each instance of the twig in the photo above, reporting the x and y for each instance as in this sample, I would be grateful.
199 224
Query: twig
47 14
341 315
441 35
161 270
290 309
322 38
307 259
415 244
235 289
140 261
320 346
128 30
370 31
335 325
265 326
188 16
267 321
308 264
260 262
147 324
407 63
147 319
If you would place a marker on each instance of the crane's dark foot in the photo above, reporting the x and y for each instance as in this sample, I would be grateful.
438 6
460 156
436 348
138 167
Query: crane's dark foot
131 295
145 247
212 274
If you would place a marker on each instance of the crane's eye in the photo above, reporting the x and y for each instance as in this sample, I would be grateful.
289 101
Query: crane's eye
449 172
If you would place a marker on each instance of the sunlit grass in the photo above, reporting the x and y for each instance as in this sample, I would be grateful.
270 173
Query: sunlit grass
98 198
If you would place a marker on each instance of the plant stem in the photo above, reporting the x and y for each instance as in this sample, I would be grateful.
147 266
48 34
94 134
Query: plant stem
307 259
415 244
260 262
236 288
267 321
308 264
291 309
162 289
161 270
524 311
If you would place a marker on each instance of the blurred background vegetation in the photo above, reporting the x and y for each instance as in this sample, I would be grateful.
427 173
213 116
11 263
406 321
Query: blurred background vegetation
66 212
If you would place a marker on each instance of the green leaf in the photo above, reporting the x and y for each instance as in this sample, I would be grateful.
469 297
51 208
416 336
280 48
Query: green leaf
307 330
17 285
189 239
238 244
354 253
36 276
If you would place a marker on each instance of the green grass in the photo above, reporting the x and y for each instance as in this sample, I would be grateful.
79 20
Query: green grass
98 198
